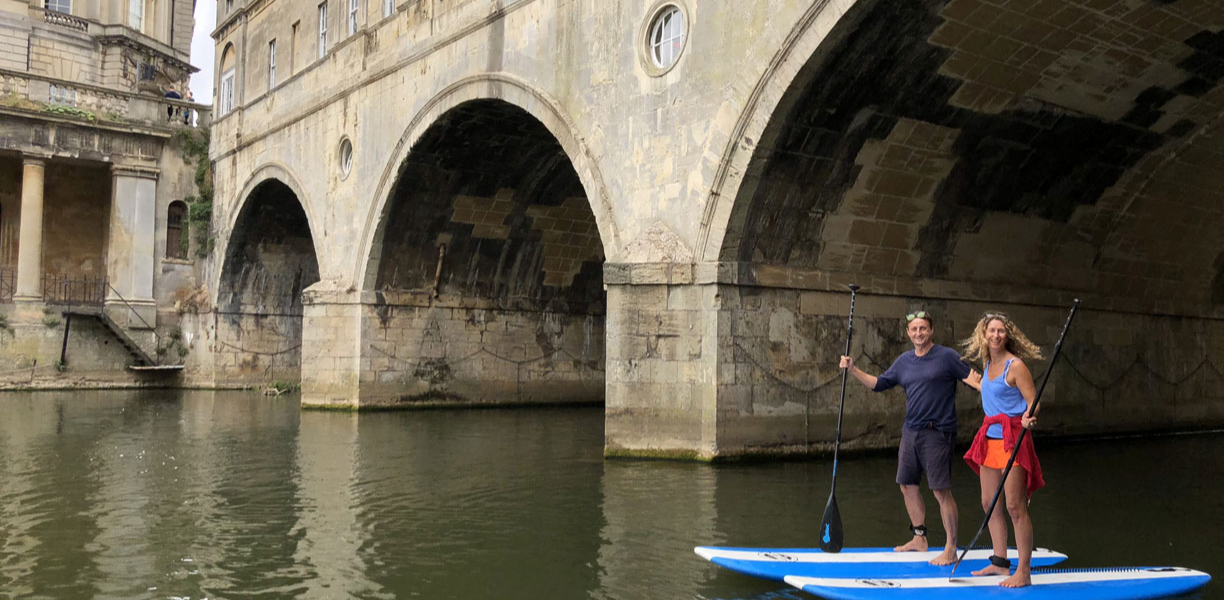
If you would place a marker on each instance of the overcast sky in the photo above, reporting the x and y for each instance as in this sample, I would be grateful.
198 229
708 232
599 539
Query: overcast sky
202 50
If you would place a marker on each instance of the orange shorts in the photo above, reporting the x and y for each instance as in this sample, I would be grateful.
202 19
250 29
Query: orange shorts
996 456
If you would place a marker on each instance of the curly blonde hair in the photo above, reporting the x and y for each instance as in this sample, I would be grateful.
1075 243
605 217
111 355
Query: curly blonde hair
977 349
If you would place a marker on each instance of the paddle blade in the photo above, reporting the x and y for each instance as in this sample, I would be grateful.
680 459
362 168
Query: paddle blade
831 527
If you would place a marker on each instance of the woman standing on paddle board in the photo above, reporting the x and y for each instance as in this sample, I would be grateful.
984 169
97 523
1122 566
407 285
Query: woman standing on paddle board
1007 398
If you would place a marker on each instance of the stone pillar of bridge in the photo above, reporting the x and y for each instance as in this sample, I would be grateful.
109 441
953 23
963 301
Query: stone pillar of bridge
30 244
130 253
717 360
331 347
670 355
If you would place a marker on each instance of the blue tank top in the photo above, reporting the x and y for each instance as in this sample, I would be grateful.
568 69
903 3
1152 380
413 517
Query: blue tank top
1000 398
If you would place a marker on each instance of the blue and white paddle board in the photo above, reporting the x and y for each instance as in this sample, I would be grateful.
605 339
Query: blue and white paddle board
884 563
1137 583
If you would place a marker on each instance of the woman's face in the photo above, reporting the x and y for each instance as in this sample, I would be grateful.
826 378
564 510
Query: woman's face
996 334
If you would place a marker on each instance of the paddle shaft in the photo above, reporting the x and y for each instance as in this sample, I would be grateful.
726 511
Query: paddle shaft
831 537
1020 439
842 408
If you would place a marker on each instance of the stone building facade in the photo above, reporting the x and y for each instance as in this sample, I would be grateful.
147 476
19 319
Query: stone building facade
94 184
659 204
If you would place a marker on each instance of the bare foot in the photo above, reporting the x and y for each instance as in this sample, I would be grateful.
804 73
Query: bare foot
991 570
918 544
1020 579
948 557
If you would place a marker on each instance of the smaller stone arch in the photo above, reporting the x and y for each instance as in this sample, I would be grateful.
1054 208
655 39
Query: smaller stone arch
269 172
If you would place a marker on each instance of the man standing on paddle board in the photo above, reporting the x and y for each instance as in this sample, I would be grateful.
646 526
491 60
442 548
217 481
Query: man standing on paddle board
929 374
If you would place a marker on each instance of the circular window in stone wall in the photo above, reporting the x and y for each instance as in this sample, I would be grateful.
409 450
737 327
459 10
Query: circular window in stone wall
665 37
346 157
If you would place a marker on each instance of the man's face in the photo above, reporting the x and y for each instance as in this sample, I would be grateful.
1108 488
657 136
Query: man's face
919 331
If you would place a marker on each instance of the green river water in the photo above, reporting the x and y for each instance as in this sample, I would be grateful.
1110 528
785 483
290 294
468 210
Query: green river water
192 495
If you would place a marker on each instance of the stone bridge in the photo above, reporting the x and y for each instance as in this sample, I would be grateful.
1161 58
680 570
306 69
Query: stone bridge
658 205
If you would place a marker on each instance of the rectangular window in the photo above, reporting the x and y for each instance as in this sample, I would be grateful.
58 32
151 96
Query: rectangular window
63 6
352 17
271 64
322 29
226 96
293 48
388 7
136 14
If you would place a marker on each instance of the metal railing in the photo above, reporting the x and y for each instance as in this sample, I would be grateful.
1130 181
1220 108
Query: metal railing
74 291
8 283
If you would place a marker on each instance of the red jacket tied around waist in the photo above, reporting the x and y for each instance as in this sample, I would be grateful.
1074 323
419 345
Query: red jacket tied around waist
1027 457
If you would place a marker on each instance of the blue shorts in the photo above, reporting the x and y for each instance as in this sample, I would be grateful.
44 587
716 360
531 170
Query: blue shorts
927 450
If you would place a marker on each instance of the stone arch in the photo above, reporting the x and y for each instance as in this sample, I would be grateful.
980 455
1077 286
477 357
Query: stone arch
809 41
913 138
483 280
521 95
270 256
280 174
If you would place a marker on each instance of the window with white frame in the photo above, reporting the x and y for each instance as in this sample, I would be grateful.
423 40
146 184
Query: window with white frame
136 14
322 29
352 17
226 96
63 6
271 64
667 36
388 7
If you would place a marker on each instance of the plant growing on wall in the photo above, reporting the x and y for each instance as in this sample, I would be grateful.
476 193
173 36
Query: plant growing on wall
199 208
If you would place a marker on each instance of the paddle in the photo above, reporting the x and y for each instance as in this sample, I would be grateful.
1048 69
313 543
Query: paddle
1012 460
830 525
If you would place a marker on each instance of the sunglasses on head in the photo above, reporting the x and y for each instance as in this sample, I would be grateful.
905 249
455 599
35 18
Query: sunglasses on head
922 314
996 316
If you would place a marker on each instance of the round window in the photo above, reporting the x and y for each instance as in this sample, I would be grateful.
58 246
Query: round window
667 32
346 157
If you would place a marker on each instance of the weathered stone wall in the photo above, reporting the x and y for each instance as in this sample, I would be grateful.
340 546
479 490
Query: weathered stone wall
252 348
450 352
76 209
31 346
67 55
728 369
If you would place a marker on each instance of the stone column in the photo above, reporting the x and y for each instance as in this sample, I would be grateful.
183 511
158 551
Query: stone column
715 360
331 340
29 250
663 338
130 254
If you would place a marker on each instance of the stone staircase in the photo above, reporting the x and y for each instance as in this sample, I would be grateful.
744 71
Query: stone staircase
141 360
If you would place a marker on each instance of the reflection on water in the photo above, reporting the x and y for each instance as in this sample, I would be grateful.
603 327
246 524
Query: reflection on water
159 494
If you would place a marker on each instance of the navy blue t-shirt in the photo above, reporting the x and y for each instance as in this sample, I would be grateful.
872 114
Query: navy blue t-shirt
930 386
